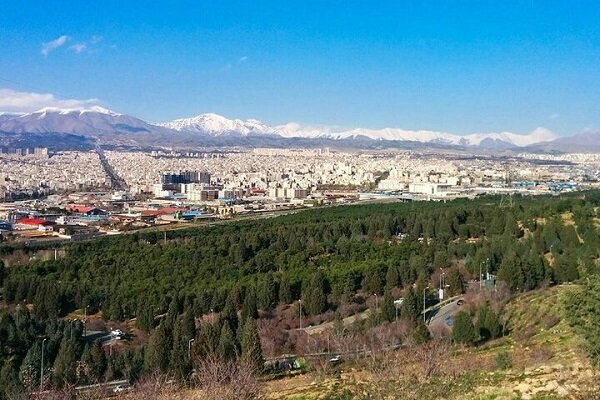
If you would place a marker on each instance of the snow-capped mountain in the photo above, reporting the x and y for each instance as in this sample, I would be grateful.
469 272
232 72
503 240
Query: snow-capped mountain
97 124
218 125
92 121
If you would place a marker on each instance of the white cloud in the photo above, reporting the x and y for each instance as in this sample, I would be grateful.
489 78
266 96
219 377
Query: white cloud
242 59
554 116
54 44
78 47
14 101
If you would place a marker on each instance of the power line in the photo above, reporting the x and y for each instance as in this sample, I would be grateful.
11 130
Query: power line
25 85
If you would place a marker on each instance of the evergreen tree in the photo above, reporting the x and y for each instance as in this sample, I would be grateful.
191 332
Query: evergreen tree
455 282
227 344
285 289
249 309
267 293
510 271
488 325
374 280
421 333
10 387
29 373
145 316
65 364
159 349
388 311
207 341
463 330
98 362
410 306
251 347
314 298
392 277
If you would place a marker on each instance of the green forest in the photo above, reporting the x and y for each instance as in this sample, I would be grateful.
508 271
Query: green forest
244 272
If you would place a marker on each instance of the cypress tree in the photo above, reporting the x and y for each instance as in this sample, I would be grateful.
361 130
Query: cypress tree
249 309
145 316
392 277
251 347
285 289
267 293
65 362
29 373
388 310
159 349
313 294
98 362
227 345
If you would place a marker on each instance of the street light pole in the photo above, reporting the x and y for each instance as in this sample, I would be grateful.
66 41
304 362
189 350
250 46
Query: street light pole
424 318
376 302
42 367
85 321
300 312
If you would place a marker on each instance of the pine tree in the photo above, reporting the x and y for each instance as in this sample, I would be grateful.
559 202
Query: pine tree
463 330
251 347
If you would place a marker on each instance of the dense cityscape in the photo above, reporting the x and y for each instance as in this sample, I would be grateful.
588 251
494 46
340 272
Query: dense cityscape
73 189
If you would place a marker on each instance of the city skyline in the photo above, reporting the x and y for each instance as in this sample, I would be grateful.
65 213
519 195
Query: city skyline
463 68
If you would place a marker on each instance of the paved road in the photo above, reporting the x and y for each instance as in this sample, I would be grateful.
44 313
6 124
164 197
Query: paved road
437 318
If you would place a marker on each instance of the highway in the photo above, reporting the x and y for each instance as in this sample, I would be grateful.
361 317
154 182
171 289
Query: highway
436 318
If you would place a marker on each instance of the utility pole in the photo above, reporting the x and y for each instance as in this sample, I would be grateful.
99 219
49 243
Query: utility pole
190 342
376 302
42 367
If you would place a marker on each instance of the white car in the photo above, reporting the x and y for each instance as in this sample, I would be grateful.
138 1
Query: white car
121 388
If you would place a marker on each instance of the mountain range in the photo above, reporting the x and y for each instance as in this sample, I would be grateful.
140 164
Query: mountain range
100 125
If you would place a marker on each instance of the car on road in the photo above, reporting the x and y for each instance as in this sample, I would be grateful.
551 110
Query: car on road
449 320
121 388
460 302
335 360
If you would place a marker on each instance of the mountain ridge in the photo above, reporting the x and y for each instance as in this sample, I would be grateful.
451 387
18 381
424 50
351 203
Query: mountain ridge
105 126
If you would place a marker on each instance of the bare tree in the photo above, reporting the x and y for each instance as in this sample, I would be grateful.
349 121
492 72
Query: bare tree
227 379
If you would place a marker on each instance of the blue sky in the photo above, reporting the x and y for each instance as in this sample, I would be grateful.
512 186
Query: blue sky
455 66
